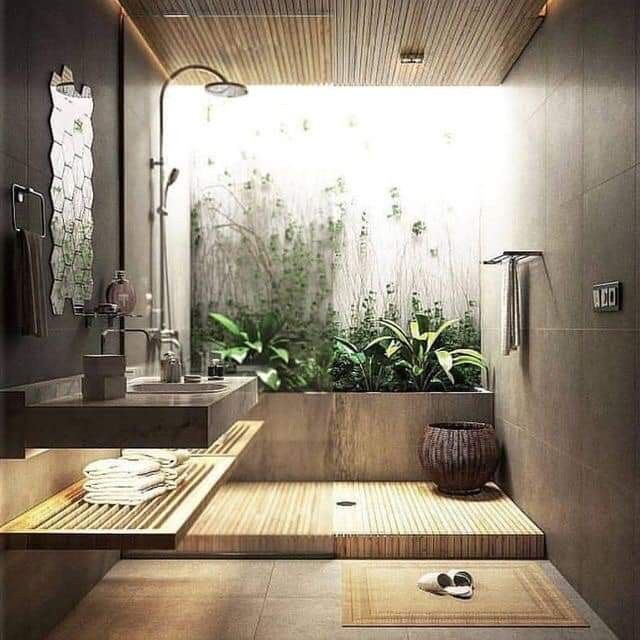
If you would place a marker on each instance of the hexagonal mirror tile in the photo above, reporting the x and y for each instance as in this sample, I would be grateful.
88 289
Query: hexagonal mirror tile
71 191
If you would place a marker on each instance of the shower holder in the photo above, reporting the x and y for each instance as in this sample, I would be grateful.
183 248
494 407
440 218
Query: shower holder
518 255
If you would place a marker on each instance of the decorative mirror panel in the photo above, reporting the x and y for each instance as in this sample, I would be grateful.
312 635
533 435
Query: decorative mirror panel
71 191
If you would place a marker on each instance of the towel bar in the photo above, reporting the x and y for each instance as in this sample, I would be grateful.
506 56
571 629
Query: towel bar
18 193
519 255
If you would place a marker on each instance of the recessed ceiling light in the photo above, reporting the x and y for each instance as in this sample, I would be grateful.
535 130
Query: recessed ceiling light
176 15
412 57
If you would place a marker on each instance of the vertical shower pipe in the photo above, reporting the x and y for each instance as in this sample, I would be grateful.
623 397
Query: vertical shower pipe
160 164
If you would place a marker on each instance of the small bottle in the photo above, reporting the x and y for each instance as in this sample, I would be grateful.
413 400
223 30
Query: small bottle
122 293
215 370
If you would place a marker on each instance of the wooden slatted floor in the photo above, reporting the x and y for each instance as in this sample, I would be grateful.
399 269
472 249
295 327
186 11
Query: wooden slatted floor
388 520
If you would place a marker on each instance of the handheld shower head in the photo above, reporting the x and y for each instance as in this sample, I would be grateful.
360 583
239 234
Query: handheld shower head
173 176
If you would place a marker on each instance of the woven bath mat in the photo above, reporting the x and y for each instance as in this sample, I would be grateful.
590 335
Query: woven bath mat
509 593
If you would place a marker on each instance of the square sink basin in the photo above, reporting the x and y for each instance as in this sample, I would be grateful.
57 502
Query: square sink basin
146 386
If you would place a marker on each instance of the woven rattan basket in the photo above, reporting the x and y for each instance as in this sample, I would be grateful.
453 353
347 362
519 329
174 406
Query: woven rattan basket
460 457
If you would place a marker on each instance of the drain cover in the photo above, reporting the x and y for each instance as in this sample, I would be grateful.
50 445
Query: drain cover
346 503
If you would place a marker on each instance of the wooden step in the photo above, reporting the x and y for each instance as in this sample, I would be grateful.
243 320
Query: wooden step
387 520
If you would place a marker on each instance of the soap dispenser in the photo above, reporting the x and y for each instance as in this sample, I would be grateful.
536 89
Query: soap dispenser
122 293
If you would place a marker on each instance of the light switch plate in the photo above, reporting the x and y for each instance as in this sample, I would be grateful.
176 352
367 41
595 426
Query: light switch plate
607 296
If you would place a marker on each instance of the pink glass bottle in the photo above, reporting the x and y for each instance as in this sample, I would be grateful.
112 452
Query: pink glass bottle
122 293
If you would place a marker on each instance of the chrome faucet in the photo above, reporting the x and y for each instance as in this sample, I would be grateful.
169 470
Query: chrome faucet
150 334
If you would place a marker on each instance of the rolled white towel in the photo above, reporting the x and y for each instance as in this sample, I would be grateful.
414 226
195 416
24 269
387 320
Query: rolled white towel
165 457
120 467
172 473
174 483
131 483
127 498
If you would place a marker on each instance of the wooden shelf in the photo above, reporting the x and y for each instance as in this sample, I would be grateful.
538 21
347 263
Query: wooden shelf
66 521
233 441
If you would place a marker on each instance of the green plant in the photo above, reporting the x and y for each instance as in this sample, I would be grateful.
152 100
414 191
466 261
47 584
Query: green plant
369 363
419 357
259 341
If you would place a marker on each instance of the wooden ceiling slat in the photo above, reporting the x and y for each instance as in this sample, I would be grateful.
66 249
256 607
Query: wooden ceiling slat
342 42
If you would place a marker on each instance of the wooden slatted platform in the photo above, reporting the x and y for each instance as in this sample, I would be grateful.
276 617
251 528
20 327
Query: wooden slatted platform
388 520
232 442
66 521
287 518
413 520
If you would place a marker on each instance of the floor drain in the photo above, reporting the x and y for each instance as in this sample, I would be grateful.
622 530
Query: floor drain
346 503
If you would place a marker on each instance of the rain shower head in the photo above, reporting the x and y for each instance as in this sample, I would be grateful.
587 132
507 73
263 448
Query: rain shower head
226 89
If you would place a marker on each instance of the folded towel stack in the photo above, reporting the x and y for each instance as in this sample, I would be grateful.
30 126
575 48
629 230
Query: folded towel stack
139 475
122 481
173 462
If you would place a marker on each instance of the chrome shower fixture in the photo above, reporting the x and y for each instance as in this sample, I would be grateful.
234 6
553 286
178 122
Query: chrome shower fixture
220 87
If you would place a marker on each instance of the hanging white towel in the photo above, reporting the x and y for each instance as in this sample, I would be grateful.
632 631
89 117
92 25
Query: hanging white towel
510 311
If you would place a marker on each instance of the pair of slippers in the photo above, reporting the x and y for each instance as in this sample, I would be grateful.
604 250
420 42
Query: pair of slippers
456 583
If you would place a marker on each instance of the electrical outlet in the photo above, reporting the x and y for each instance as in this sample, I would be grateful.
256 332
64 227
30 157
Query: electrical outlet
607 296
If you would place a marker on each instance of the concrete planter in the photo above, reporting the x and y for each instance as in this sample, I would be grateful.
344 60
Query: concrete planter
351 436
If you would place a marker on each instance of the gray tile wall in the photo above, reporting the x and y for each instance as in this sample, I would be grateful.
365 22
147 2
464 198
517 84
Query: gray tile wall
35 41
567 403
37 589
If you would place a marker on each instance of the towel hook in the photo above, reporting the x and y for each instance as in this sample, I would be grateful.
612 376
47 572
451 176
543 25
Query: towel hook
18 193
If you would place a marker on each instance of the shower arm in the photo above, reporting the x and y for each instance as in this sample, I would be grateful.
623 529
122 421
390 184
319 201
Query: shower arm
160 164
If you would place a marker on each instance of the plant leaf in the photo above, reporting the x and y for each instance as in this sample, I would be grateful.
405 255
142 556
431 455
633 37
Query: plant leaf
256 345
229 325
270 379
237 354
280 353
376 341
392 349
397 331
434 335
415 331
345 346
445 360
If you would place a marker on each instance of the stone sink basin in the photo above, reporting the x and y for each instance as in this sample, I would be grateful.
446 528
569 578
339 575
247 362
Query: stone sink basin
155 386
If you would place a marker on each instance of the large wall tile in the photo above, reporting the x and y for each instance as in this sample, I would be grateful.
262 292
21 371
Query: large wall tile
55 39
564 140
563 259
561 390
563 31
13 80
609 248
526 84
609 89
567 405
608 416
606 575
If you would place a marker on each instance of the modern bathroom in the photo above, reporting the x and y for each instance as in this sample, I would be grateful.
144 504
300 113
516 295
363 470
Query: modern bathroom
320 319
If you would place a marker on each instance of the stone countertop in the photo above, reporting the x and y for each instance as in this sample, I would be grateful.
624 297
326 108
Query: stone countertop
197 400
175 420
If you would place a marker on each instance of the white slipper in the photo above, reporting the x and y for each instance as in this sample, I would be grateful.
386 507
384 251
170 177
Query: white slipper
435 582
460 592
460 578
